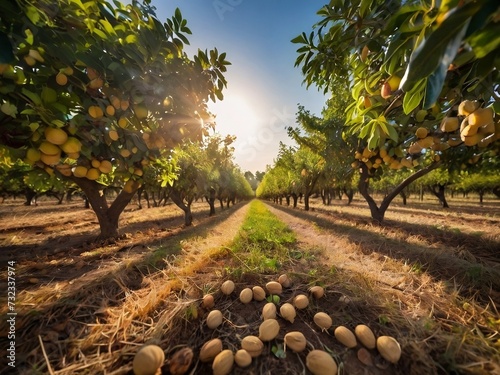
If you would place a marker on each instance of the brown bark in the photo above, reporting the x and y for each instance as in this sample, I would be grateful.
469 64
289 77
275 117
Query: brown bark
378 213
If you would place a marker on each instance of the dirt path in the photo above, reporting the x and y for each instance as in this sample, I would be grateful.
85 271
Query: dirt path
337 251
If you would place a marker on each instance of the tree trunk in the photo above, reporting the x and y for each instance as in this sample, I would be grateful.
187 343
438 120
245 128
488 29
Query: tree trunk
378 213
350 195
306 201
179 202
211 201
295 199
404 196
439 193
107 215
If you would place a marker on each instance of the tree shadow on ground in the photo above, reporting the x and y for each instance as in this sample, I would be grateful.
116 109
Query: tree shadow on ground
472 277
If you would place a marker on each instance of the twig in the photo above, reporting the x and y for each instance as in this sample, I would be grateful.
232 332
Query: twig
45 355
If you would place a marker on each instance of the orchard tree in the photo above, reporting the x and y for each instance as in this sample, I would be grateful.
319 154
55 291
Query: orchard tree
92 90
423 77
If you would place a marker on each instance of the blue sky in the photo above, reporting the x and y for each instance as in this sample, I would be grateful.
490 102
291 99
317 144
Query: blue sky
264 87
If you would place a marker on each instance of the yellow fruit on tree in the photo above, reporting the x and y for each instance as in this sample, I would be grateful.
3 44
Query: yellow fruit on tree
56 136
367 102
115 101
71 146
138 172
466 107
92 73
469 130
96 83
364 53
29 60
386 91
481 116
124 104
95 112
33 155
131 186
141 112
61 79
50 159
93 174
113 135
49 148
105 166
80 171
449 124
95 163
125 153
68 70
123 122
421 132
426 142
472 140
393 82
73 155
110 110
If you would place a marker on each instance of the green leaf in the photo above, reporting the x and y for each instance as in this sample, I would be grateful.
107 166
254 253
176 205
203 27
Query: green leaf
108 27
35 98
485 41
427 57
413 97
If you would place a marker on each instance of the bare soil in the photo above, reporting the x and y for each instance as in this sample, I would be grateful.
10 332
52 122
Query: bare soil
429 277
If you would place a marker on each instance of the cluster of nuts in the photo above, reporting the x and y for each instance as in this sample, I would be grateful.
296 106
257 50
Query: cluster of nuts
317 361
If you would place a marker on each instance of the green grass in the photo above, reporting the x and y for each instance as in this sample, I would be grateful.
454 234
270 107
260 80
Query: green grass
264 242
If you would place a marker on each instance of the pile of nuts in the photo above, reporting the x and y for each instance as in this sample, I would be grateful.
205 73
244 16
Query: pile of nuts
318 362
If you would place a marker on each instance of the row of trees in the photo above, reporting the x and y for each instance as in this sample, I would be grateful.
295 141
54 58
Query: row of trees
95 93
422 93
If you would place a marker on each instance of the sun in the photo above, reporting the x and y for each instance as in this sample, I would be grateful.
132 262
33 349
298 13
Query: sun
235 116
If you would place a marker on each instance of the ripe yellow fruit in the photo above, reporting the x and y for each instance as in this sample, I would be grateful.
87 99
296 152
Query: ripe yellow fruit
421 132
124 104
71 146
50 159
473 139
49 148
95 112
139 172
110 110
469 130
113 135
141 112
481 116
148 360
73 155
33 155
259 294
80 171
394 82
96 83
93 174
68 70
123 122
466 107
125 153
61 79
364 53
367 102
95 163
449 124
56 136
274 287
92 73
426 142
131 186
105 166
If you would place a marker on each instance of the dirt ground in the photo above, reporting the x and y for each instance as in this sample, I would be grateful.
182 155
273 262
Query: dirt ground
428 276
